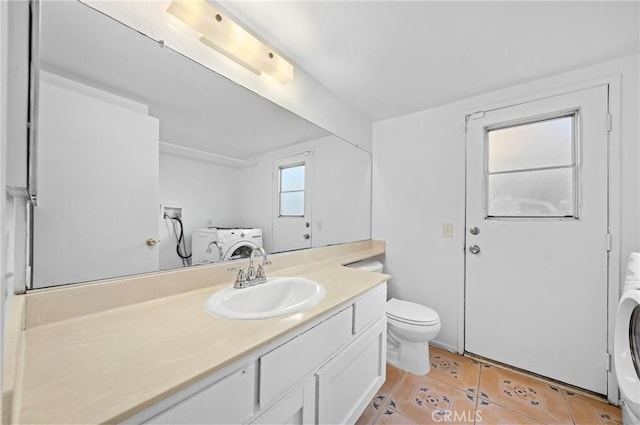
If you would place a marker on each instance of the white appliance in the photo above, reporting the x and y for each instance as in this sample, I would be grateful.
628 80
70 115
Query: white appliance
627 343
217 244
205 248
410 327
238 242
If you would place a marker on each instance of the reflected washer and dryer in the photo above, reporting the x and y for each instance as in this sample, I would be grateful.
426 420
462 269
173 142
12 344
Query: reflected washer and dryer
238 242
627 343
217 244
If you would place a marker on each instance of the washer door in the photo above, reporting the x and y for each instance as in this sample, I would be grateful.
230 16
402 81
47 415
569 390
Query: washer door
239 250
627 349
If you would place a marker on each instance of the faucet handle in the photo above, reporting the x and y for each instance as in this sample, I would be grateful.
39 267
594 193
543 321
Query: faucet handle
260 274
242 276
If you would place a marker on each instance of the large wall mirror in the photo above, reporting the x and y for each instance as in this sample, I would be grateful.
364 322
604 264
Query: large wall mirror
148 161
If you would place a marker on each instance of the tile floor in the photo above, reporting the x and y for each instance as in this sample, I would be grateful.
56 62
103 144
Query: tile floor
460 390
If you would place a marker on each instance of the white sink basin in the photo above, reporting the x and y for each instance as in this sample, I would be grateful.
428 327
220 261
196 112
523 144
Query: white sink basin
278 296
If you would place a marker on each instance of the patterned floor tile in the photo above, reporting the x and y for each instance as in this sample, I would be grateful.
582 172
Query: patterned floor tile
589 411
532 398
393 377
488 413
502 396
391 417
427 400
382 397
370 414
453 369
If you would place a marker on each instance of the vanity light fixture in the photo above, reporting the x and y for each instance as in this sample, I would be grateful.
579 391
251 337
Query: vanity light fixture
227 37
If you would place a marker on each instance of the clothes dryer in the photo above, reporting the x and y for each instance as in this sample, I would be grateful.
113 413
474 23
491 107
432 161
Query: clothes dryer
237 243
627 343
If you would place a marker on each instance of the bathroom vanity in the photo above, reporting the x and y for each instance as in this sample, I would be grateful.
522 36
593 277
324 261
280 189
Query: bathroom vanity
330 371
144 350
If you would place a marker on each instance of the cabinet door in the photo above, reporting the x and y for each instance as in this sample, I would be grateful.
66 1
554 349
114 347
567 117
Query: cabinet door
350 380
297 407
228 401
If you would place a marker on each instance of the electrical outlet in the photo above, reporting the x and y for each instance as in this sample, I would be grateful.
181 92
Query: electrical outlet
447 230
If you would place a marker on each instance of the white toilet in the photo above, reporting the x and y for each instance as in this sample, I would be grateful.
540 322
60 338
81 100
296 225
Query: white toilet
410 327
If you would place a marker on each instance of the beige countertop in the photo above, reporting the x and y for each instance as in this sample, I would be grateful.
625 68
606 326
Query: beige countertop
106 366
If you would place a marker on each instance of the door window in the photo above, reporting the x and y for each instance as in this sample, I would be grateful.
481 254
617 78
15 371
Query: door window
530 168
292 191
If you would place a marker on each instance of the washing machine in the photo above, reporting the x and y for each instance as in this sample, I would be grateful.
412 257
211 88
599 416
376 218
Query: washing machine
205 248
238 243
627 343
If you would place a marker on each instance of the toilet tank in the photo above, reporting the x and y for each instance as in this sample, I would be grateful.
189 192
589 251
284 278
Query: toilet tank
368 265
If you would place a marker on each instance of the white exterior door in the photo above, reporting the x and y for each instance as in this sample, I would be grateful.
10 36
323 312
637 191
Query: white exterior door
118 174
537 237
292 183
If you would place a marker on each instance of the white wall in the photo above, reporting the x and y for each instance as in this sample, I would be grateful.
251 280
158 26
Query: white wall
204 190
4 213
341 192
418 184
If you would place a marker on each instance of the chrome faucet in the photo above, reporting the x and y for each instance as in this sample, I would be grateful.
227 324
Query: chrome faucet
219 249
252 276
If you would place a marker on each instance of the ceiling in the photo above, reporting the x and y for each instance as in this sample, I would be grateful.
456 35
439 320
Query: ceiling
197 108
390 58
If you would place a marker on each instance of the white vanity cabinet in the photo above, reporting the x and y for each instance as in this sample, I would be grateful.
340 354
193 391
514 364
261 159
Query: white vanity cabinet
228 401
324 375
297 407
349 381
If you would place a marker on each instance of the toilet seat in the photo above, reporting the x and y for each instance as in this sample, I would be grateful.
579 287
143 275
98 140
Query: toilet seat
411 313
400 322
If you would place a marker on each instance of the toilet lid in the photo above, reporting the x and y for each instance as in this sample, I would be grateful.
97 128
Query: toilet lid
408 312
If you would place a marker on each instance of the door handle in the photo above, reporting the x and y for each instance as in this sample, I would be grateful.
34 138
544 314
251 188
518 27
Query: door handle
306 236
474 249
151 242
474 230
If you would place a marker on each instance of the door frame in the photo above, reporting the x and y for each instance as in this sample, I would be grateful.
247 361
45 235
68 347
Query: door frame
614 208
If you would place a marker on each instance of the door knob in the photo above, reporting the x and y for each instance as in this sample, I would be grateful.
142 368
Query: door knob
474 249
306 236
151 242
474 230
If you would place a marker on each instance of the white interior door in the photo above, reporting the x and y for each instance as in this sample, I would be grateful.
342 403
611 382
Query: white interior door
117 180
292 184
536 237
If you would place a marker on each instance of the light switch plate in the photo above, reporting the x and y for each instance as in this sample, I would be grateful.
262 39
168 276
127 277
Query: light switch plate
447 230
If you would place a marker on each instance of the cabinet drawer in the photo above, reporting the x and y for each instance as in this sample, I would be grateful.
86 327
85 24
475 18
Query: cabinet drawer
228 401
370 308
281 368
297 407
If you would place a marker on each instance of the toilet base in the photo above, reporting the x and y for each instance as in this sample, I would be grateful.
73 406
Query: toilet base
412 357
